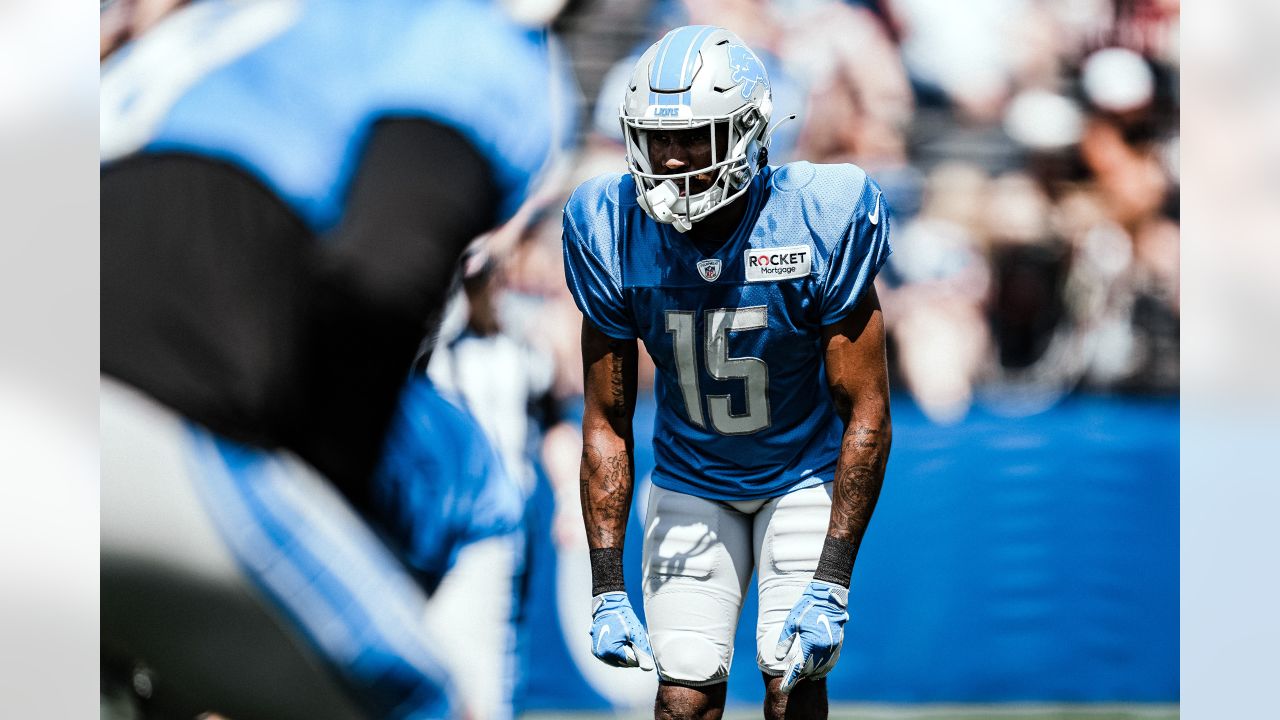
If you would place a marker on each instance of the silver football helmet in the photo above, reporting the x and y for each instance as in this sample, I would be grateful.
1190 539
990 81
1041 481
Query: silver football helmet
697 76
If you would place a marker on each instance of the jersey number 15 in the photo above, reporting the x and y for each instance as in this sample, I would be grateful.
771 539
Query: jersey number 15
717 324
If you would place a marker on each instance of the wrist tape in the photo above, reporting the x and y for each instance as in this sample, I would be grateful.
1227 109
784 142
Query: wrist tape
606 571
835 565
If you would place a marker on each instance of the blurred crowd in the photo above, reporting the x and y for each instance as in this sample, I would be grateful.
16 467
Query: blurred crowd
1028 150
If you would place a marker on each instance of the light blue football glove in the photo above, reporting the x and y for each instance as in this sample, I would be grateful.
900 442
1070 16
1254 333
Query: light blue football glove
617 637
813 633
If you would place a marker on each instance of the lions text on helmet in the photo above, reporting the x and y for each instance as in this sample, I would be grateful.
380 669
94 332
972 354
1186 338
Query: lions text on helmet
696 78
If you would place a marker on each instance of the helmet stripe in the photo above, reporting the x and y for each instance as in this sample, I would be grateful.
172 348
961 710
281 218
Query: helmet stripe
660 59
682 43
682 74
690 62
655 69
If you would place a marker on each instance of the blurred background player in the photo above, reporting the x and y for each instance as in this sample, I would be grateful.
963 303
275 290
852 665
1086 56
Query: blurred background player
502 378
444 500
286 188
505 380
745 282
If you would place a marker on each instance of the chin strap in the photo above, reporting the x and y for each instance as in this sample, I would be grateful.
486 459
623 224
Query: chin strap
660 200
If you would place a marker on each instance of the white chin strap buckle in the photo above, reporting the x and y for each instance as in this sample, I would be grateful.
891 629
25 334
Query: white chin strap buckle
661 200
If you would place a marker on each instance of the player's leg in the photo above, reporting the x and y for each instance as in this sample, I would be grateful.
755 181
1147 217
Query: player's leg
788 534
697 564
175 605
246 584
808 699
475 608
679 702
328 572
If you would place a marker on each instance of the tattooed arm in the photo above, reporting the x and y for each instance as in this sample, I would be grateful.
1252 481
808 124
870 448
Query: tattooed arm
857 375
607 473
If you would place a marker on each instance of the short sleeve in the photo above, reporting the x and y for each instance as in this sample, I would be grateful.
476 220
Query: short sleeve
594 289
441 483
498 505
862 252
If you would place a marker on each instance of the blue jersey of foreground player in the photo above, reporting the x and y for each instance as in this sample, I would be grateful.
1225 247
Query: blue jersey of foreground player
262 85
743 406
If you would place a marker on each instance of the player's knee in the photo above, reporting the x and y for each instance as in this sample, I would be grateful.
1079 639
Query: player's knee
678 702
689 658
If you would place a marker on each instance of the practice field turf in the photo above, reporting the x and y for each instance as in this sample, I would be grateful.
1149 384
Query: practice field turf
932 712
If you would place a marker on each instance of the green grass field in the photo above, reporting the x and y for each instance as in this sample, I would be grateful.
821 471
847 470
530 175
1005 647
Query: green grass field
1018 711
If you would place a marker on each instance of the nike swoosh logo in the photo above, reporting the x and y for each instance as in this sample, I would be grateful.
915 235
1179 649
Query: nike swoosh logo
824 622
874 217
600 638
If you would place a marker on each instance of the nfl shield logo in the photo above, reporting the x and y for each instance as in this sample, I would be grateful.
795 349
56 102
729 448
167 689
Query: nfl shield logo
709 269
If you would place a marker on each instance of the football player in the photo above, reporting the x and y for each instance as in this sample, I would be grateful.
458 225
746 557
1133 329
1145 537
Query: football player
752 289
286 188
445 500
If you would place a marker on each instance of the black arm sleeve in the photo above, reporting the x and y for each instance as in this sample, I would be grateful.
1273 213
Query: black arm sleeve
422 192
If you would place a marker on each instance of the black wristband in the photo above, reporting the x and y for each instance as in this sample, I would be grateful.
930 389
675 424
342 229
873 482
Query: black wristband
606 571
835 565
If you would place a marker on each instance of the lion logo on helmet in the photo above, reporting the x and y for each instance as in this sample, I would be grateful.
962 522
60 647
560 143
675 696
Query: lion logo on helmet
746 69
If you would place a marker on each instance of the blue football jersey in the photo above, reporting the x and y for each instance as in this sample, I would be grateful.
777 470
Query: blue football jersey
441 484
288 89
743 406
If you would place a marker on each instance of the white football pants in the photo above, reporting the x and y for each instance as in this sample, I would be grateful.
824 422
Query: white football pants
698 559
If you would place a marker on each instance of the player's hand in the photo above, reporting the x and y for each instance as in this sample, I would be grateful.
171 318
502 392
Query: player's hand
617 637
813 633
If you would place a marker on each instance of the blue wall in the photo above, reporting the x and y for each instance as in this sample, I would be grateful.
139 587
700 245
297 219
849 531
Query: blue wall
1029 559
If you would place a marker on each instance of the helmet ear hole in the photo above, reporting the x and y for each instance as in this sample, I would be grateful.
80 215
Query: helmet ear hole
722 139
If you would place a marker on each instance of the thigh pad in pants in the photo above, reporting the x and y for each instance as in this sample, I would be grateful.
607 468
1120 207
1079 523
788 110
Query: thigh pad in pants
697 562
790 531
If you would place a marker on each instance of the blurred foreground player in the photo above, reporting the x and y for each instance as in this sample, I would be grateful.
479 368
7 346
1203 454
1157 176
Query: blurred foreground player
286 188
751 287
